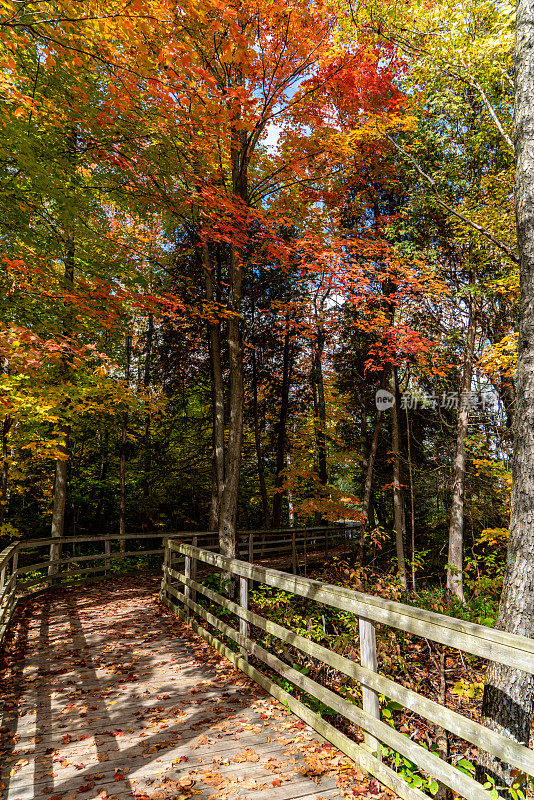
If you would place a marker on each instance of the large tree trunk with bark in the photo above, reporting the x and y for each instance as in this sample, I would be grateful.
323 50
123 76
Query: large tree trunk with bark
455 581
240 156
398 499
508 693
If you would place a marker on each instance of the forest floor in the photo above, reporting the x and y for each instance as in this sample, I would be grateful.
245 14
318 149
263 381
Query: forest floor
107 695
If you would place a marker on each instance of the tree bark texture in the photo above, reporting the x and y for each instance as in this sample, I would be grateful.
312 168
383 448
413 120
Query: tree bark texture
508 693
230 494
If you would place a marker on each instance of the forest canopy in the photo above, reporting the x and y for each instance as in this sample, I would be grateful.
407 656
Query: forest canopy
225 228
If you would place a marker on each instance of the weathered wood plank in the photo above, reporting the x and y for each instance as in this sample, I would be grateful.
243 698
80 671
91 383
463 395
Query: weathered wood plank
368 659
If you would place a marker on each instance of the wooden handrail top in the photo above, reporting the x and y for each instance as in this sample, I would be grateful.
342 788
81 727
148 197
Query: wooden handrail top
507 648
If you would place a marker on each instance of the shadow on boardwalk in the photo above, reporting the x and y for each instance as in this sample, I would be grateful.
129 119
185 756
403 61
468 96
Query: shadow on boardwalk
107 695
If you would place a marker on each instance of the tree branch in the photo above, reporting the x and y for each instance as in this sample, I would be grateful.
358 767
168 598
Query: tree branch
450 210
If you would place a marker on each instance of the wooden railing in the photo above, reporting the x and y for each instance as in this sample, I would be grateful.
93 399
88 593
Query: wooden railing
30 566
179 591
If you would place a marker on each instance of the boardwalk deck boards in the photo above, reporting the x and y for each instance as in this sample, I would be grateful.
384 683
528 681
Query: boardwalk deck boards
116 698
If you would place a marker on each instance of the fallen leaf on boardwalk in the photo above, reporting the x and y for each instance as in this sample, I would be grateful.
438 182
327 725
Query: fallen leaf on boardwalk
277 782
212 779
246 755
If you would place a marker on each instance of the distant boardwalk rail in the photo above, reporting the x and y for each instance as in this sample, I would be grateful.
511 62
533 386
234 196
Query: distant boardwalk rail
26 571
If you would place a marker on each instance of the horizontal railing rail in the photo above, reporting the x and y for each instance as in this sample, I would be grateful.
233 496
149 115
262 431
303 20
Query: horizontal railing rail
179 592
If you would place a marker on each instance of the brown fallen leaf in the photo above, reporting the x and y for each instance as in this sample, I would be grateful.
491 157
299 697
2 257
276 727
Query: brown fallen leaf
246 755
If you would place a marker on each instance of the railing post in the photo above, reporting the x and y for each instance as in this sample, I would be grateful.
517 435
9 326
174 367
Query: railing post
369 696
194 571
187 573
107 553
244 627
54 559
251 547
13 578
166 561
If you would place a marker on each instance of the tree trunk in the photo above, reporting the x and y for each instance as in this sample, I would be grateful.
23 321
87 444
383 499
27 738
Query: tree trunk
412 499
104 464
217 394
398 500
319 404
240 156
508 694
60 498
229 498
61 467
6 427
368 485
455 584
148 419
257 434
124 432
281 434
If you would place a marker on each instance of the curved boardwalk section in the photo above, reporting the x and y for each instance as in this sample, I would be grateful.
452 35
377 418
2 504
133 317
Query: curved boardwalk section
106 695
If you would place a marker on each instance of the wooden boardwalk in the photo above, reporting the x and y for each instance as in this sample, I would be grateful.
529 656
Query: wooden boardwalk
106 695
